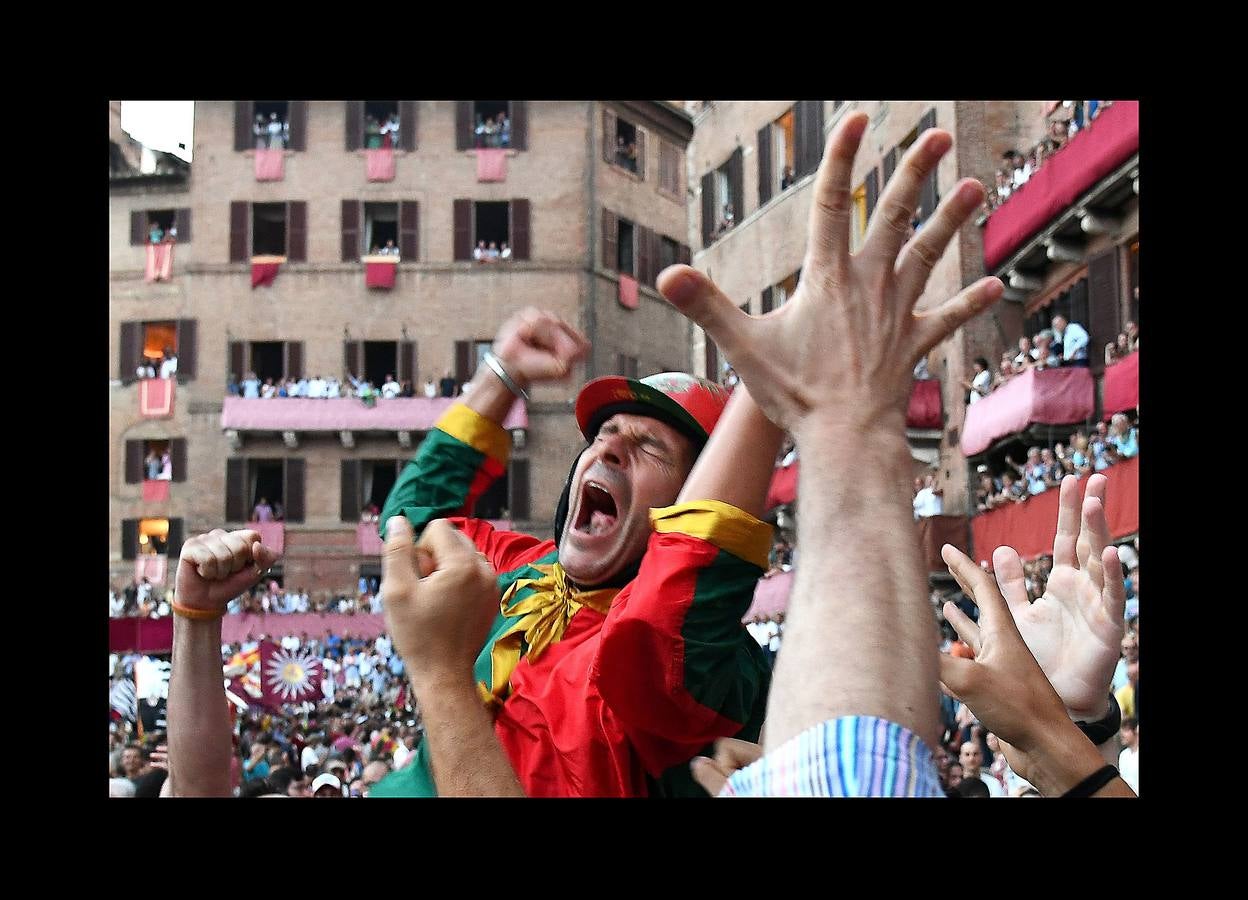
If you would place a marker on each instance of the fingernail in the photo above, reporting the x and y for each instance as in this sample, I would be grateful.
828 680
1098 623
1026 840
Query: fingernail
391 524
683 286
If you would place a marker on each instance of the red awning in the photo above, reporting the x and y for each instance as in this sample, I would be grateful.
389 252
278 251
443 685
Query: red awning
345 414
272 534
1122 385
368 539
1048 397
1101 146
1030 527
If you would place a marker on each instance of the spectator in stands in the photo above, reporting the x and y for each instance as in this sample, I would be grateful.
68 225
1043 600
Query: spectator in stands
251 386
145 369
260 131
1123 437
479 131
480 253
980 385
504 130
231 385
1033 471
393 125
1052 468
407 389
786 178
1129 758
262 512
1011 490
1133 334
1044 355
166 466
431 387
986 493
929 500
390 249
1004 186
1058 133
971 757
268 392
492 254
491 132
1005 370
1102 448
277 133
448 386
1074 341
156 234
390 388
152 465
505 252
1025 358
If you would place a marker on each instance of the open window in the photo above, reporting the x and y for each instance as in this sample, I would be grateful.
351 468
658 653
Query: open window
626 145
491 123
267 360
381 358
783 151
157 459
278 482
266 488
159 339
669 253
492 224
145 344
377 478
268 229
625 255
268 112
381 227
154 454
381 124
153 537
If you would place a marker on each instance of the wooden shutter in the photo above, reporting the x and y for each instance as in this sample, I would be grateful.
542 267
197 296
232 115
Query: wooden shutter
138 227
182 218
407 361
130 348
765 174
518 483
656 258
641 154
608 135
873 191
928 196
1104 304
174 540
292 491
134 462
237 360
808 128
297 111
683 255
235 484
409 229
177 458
708 208
463 230
355 124
244 118
407 125
294 359
736 178
240 231
463 361
519 124
350 500
463 125
129 538
519 229
641 240
610 240
297 231
351 358
890 164
188 351
712 360
768 300
350 230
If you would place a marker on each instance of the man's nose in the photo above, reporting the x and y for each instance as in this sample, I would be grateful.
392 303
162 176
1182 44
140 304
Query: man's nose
614 449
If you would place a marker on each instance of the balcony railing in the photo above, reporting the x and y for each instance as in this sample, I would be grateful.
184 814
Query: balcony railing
345 414
1045 397
1101 146
1122 386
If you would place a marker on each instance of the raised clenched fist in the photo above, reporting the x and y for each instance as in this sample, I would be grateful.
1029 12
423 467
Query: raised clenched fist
536 345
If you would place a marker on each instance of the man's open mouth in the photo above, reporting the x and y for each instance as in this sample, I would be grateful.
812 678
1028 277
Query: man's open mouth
597 513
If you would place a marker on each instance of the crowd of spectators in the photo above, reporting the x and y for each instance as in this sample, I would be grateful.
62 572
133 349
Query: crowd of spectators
1093 450
318 387
388 250
164 367
492 252
158 235
142 599
1064 122
493 132
379 134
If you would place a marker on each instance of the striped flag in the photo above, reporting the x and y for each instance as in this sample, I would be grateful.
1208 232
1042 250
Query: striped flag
123 699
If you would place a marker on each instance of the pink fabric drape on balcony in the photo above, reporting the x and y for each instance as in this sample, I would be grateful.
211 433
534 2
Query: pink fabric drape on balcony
380 274
1048 397
1122 385
379 165
159 264
153 567
264 273
237 628
346 414
628 292
491 165
156 398
270 165
155 491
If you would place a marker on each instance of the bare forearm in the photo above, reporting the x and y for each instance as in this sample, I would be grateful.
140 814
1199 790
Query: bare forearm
465 756
1064 758
489 396
199 723
862 637
737 464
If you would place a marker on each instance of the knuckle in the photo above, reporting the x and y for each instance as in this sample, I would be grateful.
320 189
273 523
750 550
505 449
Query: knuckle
896 216
925 254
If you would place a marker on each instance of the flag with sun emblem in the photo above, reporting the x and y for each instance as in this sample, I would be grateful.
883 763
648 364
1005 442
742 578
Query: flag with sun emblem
288 676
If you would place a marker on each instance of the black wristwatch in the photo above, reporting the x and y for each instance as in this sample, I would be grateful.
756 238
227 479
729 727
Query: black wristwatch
1101 731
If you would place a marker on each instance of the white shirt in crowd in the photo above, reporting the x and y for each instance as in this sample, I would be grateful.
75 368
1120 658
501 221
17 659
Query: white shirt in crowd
431 389
1129 767
401 753
116 603
1074 342
333 388
390 390
994 787
981 384
928 503
308 757
316 387
383 645
169 367
290 642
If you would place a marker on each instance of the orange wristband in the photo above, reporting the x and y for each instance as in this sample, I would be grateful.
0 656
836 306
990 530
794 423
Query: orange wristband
198 615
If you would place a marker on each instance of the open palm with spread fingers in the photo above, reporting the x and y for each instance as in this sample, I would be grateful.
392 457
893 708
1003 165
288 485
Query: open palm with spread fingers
847 343
1075 630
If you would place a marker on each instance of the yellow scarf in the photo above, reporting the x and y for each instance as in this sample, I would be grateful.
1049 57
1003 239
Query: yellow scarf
544 616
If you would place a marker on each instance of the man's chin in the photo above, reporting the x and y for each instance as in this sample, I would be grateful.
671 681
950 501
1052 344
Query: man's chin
590 565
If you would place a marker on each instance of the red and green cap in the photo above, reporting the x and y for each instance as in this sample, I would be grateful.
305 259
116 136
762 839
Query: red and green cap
689 404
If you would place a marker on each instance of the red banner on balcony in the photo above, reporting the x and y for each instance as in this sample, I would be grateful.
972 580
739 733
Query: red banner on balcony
368 539
379 165
783 488
771 596
1094 152
1122 385
272 534
270 165
379 271
156 398
628 292
264 269
1030 527
249 627
1048 397
135 635
153 567
159 266
924 410
155 491
491 165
